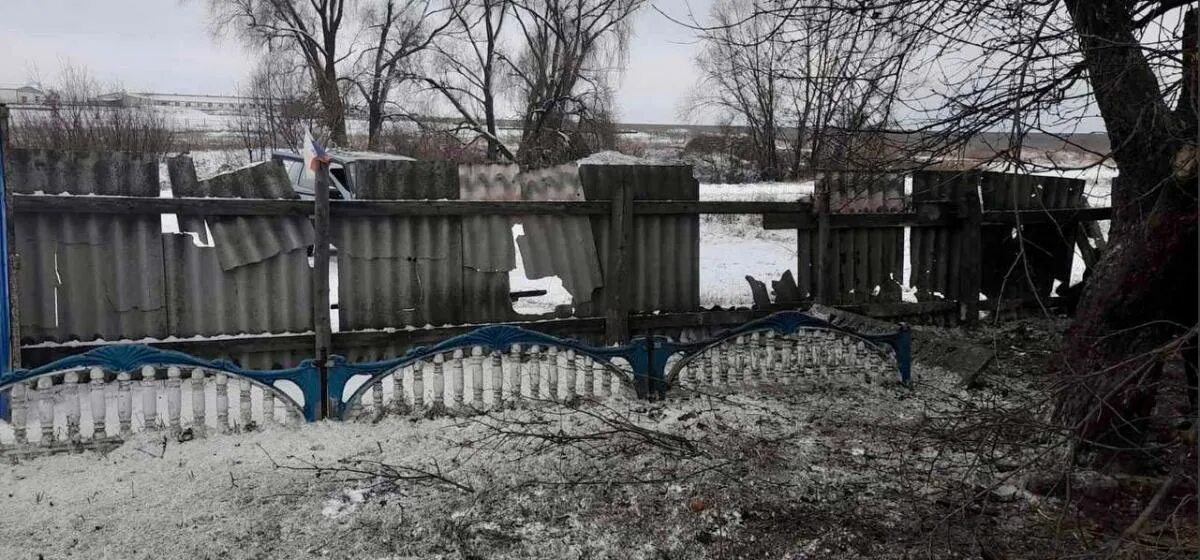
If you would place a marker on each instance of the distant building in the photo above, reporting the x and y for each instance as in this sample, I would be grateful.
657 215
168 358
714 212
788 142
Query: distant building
203 102
24 95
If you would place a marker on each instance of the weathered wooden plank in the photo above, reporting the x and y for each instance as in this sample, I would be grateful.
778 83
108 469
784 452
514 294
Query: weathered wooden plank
616 274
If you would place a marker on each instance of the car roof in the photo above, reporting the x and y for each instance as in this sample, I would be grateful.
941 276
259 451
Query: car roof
346 156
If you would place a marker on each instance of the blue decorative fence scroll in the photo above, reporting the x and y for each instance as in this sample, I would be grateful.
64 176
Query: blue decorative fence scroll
490 366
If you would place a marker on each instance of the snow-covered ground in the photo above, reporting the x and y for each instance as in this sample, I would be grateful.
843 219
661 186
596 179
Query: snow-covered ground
792 471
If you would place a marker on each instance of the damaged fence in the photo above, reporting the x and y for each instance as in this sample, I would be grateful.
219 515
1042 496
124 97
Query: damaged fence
100 397
424 252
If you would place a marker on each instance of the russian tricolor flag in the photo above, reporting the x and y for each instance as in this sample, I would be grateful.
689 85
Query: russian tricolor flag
313 152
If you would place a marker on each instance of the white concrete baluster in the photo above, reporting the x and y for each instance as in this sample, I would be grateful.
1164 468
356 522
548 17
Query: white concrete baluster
551 362
99 404
418 384
20 407
758 349
125 402
199 419
606 378
175 398
777 359
497 362
149 389
222 404
377 397
535 371
457 382
570 375
268 405
399 398
439 384
727 359
588 389
71 403
515 377
477 377
45 399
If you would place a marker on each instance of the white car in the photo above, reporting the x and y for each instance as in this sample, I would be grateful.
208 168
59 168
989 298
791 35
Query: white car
342 171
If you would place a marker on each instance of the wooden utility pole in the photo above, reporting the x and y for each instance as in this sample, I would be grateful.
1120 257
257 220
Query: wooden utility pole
321 324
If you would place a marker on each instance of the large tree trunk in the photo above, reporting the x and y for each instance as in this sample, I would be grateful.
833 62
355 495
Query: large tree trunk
1142 293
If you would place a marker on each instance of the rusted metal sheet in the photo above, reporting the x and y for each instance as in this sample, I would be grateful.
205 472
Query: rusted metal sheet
666 249
1010 270
935 252
87 277
488 253
396 271
868 262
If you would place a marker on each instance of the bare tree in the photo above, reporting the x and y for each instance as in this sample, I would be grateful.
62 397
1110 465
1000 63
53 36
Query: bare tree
465 68
311 30
570 49
277 108
742 76
76 118
1035 66
399 32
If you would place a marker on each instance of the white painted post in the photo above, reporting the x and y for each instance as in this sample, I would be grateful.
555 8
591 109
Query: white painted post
174 398
377 397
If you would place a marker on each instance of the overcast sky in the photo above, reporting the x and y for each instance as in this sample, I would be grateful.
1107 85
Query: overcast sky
165 46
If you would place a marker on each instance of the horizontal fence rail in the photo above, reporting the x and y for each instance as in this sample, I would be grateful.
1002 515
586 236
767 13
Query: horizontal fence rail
785 215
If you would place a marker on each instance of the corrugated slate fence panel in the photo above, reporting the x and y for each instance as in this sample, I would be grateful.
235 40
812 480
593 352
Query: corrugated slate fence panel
255 277
88 276
868 263
396 271
935 253
666 249
562 246
1049 248
488 253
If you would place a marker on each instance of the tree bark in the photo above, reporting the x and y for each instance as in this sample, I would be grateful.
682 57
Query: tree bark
1142 293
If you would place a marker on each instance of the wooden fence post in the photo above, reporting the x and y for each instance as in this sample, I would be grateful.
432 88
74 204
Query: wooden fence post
13 258
616 277
970 220
826 271
321 324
